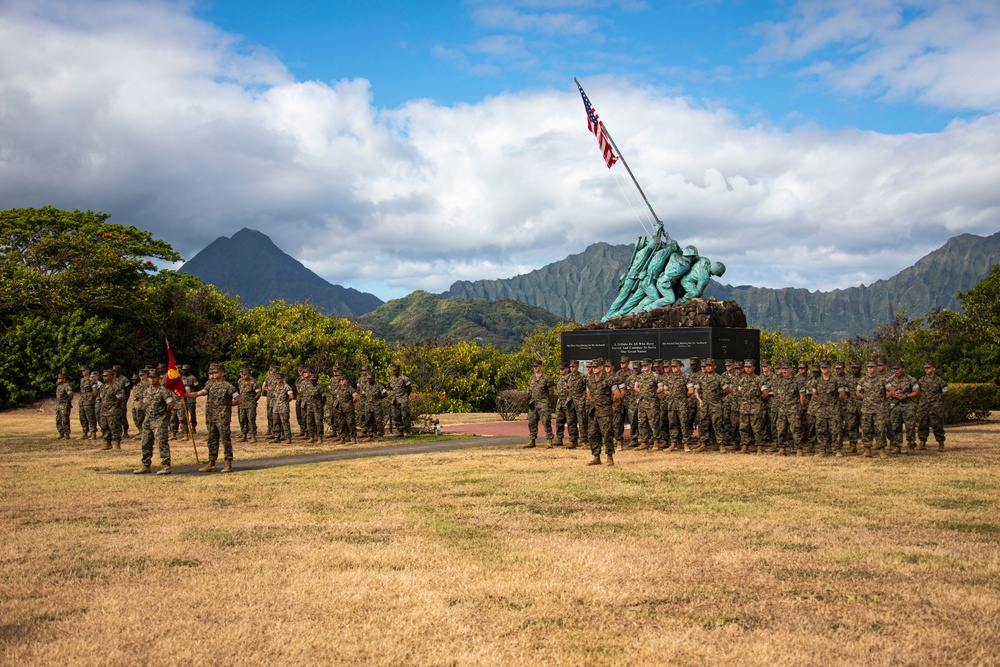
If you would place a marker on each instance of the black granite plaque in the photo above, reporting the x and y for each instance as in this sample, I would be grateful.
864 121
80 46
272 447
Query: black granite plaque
670 343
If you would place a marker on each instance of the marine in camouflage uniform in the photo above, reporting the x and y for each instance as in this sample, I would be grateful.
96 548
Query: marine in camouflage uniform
902 391
850 407
279 396
111 396
191 383
750 402
825 392
157 404
619 411
313 398
645 387
246 412
344 398
126 388
882 368
64 405
221 396
730 413
141 384
931 409
710 391
565 410
85 406
269 384
662 403
371 393
802 378
540 388
400 389
693 409
789 399
768 374
578 393
870 391
675 387
300 404
601 397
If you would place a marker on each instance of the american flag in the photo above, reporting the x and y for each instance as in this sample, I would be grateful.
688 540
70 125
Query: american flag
595 125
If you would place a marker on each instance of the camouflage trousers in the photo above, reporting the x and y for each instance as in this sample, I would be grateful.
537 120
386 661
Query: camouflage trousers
314 418
851 425
929 420
789 427
139 417
600 423
828 432
123 419
88 417
281 426
566 418
192 414
62 420
155 431
647 423
402 420
539 413
619 415
369 420
872 429
111 427
712 426
269 410
344 421
900 415
300 415
580 408
677 422
752 428
246 414
219 431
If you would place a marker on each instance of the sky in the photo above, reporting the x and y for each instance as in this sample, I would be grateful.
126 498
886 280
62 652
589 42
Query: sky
394 146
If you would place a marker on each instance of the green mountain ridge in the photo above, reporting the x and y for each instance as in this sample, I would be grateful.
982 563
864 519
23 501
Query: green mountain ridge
582 286
420 316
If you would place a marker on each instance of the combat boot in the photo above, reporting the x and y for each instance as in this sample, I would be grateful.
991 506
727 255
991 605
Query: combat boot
922 447
611 459
548 443
838 453
760 450
165 470
321 440
940 446
572 445
228 467
867 453
144 470
354 439
781 451
118 444
530 444
289 441
851 449
671 448
596 461
558 442
312 440
700 448
659 445
253 438
106 447
798 451
243 437
744 449
208 467
882 454
642 447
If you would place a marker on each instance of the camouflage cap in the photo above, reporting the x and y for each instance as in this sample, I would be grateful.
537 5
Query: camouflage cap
730 362
803 364
676 362
646 361
749 362
85 367
394 367
143 373
60 376
624 360
107 371
871 363
244 369
274 368
536 362
824 363
708 362
929 364
882 361
153 373
855 364
562 365
897 365
657 362
116 368
839 364
608 362
215 368
765 363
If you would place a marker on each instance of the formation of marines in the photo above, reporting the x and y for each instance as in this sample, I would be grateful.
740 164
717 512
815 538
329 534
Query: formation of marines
828 412
160 415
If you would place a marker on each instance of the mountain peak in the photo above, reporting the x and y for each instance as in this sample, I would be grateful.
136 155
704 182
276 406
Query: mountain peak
249 265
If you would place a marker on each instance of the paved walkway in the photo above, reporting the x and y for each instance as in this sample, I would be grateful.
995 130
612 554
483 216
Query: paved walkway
366 452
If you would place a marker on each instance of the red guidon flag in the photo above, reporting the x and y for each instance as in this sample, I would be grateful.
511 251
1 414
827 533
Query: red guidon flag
173 381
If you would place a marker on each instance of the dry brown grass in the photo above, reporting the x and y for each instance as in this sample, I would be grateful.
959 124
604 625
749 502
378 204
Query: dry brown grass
500 556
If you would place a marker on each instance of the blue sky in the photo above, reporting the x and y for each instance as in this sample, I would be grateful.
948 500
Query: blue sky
396 146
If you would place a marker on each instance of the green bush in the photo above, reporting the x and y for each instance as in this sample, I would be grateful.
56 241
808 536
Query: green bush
967 402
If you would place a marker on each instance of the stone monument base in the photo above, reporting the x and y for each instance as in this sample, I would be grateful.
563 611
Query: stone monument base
662 343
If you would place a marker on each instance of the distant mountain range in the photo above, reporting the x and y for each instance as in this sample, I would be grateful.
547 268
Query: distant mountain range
502 323
250 266
581 287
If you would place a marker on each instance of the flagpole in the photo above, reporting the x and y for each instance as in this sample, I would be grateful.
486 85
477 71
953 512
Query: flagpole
627 168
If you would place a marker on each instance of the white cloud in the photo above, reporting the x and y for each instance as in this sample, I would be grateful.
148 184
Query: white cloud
172 125
939 52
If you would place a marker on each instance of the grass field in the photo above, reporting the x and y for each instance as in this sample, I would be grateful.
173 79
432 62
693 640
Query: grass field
499 556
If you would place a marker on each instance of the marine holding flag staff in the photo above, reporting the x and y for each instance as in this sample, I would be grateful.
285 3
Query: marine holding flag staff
222 396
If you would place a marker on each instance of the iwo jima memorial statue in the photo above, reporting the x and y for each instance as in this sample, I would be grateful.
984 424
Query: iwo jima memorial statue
660 311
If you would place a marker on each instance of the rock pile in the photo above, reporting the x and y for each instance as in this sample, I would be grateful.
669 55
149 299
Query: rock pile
693 313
